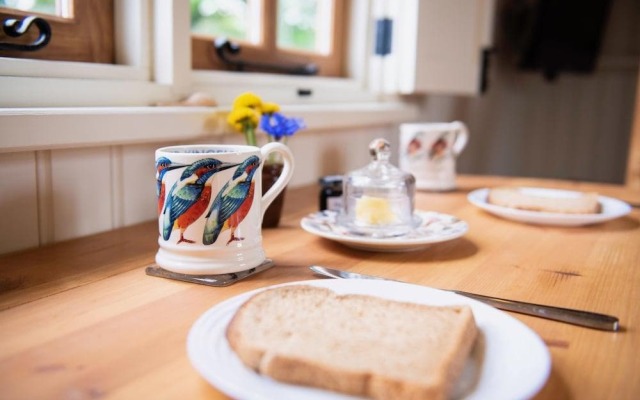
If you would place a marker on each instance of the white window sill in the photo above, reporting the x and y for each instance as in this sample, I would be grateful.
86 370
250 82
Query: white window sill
30 129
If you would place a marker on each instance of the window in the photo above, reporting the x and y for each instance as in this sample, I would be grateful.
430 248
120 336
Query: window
236 19
153 66
273 32
42 6
58 104
82 30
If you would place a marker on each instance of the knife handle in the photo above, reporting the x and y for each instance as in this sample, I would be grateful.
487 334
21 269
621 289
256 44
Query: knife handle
576 317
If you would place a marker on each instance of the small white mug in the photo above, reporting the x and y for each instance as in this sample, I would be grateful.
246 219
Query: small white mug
429 152
210 206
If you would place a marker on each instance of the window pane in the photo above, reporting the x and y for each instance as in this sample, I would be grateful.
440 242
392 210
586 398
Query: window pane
223 18
40 6
304 25
88 38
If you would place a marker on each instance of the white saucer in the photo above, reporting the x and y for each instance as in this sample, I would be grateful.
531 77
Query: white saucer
611 208
434 228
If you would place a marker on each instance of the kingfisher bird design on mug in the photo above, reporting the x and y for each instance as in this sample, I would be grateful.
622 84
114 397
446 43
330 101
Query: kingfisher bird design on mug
190 196
232 204
163 165
210 220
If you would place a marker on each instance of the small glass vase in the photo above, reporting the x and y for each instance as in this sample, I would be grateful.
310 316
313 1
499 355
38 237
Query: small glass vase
270 173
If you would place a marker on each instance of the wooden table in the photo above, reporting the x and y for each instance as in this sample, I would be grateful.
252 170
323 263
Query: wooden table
81 319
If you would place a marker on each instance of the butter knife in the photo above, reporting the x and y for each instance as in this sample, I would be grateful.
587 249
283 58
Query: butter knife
576 317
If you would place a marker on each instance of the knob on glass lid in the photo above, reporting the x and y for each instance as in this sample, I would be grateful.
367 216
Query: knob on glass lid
379 197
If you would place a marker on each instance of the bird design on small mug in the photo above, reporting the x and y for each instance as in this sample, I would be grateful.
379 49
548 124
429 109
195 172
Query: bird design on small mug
439 148
233 203
190 196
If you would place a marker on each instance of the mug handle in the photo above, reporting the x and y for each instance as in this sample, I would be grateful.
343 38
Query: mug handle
285 175
462 137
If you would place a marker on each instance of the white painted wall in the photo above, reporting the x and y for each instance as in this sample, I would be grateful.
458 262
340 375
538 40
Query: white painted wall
48 196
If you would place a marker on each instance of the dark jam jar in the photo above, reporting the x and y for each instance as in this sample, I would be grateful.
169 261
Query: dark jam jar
331 193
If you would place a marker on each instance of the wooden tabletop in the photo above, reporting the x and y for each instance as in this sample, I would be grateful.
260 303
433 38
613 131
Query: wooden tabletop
80 319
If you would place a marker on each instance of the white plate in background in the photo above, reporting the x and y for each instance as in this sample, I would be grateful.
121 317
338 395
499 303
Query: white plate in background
611 208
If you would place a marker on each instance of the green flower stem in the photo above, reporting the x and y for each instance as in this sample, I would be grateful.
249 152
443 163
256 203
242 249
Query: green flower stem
250 134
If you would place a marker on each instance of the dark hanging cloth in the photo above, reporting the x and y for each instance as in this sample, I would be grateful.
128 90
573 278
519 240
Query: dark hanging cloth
563 36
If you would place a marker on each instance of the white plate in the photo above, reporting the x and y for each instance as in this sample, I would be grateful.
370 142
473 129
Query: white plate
433 227
509 362
611 208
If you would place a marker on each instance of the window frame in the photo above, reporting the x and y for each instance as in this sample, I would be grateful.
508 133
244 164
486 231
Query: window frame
145 74
86 36
68 104
330 65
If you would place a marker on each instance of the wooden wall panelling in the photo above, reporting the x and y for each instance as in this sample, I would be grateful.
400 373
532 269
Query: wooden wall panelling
632 178
18 201
138 183
618 88
82 192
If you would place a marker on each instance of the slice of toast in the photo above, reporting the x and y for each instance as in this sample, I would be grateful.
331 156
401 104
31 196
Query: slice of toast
354 344
513 197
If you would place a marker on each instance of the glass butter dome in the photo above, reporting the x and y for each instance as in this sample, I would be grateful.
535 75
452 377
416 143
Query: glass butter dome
378 199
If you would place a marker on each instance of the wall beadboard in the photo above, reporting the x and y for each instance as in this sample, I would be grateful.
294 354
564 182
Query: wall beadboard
49 196
577 128
19 204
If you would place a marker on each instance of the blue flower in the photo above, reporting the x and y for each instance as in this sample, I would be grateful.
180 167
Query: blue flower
277 126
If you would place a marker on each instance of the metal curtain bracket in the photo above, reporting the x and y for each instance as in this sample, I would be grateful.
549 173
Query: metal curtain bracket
224 48
15 28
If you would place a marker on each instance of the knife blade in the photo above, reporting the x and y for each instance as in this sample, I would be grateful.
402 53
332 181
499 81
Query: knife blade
577 317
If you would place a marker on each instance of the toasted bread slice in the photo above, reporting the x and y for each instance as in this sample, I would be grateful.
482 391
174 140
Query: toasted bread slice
355 344
586 203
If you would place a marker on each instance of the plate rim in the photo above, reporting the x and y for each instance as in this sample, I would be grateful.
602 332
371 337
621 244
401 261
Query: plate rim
478 197
489 315
376 243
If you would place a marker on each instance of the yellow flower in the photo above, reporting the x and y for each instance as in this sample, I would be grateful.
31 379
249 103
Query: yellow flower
242 118
248 100
270 108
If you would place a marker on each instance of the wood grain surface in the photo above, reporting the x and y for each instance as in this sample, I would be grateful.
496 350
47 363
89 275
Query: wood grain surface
81 319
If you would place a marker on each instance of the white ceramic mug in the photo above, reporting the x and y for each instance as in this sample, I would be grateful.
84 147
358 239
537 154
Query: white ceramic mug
429 152
210 207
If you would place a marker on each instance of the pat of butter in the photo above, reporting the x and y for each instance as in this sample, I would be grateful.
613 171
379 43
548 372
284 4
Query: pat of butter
374 211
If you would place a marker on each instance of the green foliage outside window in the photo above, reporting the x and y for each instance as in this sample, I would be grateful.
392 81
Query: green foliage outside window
297 24
296 21
40 6
219 18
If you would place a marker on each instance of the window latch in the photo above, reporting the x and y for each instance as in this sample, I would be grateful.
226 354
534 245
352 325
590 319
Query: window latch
384 34
15 28
224 48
